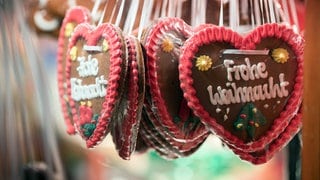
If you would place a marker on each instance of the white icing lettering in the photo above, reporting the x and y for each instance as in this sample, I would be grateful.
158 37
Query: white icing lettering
87 67
84 92
247 93
245 72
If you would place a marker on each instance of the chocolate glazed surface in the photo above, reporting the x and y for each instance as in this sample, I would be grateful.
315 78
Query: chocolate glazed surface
217 76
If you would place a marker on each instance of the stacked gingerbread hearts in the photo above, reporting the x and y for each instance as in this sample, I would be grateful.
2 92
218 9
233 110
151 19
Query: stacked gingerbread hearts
178 84
101 81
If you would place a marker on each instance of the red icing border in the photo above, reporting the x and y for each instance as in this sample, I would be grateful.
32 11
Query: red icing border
158 102
92 35
77 15
212 34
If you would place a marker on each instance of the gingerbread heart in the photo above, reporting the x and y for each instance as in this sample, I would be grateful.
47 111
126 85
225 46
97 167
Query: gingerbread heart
126 121
263 156
163 41
245 89
95 71
73 17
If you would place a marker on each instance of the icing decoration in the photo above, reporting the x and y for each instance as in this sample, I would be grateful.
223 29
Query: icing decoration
87 120
83 92
204 63
105 46
167 45
280 55
238 78
69 29
249 119
234 94
73 53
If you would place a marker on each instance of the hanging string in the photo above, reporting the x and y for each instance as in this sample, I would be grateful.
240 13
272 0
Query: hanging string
164 8
103 13
94 11
253 22
115 7
131 17
234 14
266 10
272 11
294 16
120 13
221 13
145 16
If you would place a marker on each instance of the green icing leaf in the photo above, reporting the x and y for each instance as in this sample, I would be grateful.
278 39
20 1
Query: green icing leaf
95 117
88 129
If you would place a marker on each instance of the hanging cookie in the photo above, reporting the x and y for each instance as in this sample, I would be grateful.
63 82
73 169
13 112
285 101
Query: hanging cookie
174 119
245 89
125 122
95 71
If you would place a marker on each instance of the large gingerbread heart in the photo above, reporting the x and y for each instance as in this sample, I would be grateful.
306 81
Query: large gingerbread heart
245 89
95 71
73 17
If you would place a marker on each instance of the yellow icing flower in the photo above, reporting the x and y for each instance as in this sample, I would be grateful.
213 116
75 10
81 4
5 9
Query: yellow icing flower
73 53
204 63
105 46
167 45
89 104
69 29
82 103
280 55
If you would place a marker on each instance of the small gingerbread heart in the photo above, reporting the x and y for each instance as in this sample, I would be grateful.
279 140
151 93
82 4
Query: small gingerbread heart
245 89
95 71
74 16
163 41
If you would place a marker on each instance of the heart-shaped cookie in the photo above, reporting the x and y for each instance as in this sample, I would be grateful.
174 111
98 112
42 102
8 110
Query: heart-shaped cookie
245 89
95 71
126 120
73 17
262 156
163 41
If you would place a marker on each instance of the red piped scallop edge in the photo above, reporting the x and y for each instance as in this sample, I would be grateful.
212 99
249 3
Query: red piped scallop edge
77 15
214 33
92 35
